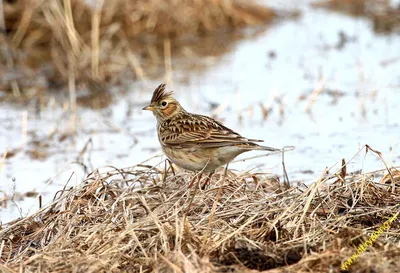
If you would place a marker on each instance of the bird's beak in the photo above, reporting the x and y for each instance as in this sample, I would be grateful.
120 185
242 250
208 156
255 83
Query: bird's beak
148 107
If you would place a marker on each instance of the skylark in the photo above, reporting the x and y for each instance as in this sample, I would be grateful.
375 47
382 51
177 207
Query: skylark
196 142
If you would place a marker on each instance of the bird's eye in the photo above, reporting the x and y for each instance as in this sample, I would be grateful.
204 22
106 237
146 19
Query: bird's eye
164 103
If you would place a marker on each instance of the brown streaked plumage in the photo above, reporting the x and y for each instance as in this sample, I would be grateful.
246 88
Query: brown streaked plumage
196 142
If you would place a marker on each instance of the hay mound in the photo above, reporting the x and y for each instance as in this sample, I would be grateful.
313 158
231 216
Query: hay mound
147 220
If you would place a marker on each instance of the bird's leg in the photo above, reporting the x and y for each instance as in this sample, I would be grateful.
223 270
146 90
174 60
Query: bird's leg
207 181
194 179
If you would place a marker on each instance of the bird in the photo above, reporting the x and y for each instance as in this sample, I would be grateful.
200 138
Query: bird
196 142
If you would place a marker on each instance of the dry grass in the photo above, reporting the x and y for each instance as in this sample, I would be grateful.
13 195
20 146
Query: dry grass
94 43
384 16
146 219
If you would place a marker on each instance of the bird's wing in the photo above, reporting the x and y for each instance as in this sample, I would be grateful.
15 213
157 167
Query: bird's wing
189 130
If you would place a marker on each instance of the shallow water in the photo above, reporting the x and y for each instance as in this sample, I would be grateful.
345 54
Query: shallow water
358 104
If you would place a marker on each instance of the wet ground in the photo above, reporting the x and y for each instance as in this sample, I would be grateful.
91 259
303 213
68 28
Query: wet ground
325 83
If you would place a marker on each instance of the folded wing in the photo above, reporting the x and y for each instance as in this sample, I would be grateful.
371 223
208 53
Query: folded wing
187 131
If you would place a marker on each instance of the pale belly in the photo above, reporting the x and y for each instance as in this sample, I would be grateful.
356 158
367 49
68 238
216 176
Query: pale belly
199 159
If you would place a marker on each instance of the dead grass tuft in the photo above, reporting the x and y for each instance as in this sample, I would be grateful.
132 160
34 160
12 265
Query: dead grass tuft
384 16
147 219
96 40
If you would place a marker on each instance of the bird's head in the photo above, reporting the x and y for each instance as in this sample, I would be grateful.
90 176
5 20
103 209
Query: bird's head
163 105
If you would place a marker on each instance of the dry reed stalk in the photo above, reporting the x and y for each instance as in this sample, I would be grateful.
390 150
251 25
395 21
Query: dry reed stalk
3 159
95 38
167 60
315 93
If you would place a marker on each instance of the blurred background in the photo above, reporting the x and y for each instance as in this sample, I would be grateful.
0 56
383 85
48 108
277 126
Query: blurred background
321 75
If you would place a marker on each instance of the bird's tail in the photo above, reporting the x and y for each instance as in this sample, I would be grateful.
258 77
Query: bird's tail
256 146
266 148
284 149
270 149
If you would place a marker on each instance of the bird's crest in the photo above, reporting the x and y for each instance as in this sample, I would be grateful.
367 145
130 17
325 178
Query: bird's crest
160 93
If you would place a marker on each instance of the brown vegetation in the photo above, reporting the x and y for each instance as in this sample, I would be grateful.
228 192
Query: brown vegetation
385 17
146 219
93 41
